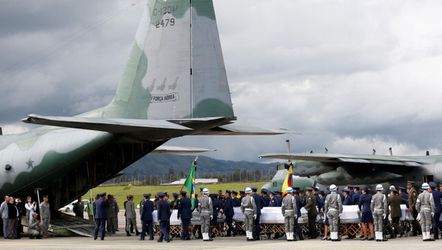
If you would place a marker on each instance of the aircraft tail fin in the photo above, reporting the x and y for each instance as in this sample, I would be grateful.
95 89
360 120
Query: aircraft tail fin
175 68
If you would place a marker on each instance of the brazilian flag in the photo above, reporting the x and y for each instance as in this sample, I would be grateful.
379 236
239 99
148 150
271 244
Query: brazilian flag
189 184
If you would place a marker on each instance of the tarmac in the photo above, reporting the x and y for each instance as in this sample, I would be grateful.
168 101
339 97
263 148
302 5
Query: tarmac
120 241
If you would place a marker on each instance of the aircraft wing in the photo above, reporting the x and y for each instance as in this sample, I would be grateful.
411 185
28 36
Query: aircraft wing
235 129
179 150
154 129
348 159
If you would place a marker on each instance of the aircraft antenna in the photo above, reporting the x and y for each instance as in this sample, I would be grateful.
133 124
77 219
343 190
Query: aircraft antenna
391 151
288 147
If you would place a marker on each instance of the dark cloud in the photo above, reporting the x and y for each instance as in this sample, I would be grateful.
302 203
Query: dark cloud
348 76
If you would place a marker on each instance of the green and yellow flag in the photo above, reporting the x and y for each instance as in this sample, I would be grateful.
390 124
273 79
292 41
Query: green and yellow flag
189 184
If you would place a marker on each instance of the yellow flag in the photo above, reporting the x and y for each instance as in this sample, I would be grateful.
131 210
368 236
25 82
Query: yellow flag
288 180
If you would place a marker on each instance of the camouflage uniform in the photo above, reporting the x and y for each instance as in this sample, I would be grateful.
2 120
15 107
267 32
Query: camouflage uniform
288 209
379 206
248 208
205 208
425 208
332 208
412 206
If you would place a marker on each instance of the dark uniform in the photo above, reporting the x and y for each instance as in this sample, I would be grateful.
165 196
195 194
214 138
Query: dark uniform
265 198
257 225
164 214
100 214
310 206
395 212
229 212
236 200
185 214
298 229
146 217
437 197
412 207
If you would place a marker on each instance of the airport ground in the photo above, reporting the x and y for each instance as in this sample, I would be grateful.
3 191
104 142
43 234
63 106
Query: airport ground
122 242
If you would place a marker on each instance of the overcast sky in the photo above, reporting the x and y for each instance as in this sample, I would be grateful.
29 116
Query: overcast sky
348 75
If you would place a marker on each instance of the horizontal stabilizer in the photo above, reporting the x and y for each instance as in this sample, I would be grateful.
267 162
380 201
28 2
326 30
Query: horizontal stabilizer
349 159
180 150
235 129
154 128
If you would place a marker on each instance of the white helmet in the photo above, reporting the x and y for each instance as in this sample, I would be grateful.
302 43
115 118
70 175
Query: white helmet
289 190
333 188
425 186
205 191
392 188
248 190
379 187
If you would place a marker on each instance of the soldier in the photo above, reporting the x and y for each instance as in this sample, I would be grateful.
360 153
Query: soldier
425 208
257 224
403 195
249 209
437 209
78 208
163 213
146 217
333 208
379 206
175 202
265 197
236 200
272 202
395 212
205 207
131 216
367 215
185 214
229 212
278 198
100 214
45 214
298 228
310 206
289 209
4 213
356 195
112 214
412 196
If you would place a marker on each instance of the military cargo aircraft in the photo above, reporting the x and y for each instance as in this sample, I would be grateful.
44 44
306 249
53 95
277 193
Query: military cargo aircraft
341 169
174 84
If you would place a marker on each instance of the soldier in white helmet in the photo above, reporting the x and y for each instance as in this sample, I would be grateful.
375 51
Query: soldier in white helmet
379 206
205 209
248 208
333 208
425 208
289 211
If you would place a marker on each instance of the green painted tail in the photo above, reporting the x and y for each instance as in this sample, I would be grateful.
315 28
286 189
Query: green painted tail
176 68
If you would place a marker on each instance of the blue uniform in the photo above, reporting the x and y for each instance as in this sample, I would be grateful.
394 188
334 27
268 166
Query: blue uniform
147 219
100 208
437 196
229 212
265 200
164 213
185 213
347 201
298 229
278 201
355 198
364 206
257 225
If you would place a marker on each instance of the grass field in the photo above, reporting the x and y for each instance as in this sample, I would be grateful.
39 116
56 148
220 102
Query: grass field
120 192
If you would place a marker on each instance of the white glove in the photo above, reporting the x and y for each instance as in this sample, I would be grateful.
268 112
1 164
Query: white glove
211 217
325 219
432 214
254 216
385 216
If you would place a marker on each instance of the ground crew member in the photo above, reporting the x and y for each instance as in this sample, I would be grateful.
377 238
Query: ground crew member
131 222
425 208
379 206
333 208
248 208
45 215
185 214
310 206
205 207
395 212
412 196
288 209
